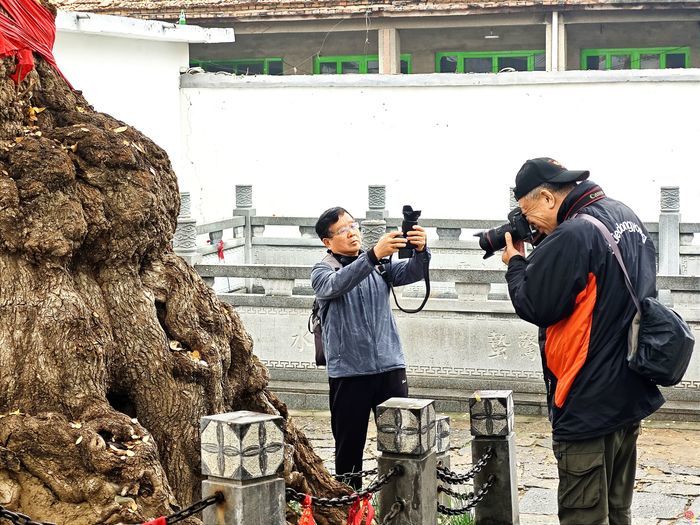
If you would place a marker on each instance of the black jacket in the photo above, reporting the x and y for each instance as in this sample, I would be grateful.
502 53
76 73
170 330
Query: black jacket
572 287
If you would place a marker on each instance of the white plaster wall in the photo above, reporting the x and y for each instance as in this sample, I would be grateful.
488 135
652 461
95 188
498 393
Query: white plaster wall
451 150
134 80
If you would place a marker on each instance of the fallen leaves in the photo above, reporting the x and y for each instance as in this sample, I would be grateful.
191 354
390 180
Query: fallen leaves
120 129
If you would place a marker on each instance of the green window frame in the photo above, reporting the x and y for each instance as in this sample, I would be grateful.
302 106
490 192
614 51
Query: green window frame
241 66
460 56
362 61
634 55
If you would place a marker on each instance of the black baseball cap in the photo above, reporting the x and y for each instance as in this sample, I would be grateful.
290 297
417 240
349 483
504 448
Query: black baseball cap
540 170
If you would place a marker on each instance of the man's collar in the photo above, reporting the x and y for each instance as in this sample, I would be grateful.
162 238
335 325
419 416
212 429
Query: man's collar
582 195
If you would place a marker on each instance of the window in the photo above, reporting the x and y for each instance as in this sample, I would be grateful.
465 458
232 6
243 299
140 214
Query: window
489 61
640 58
252 66
347 65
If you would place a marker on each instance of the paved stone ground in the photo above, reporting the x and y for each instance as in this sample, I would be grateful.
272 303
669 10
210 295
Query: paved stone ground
668 474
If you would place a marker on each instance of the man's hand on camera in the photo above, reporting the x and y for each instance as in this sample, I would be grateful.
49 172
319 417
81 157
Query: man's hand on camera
417 238
512 249
388 244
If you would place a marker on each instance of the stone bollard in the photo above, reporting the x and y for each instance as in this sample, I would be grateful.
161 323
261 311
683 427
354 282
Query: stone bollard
492 418
185 238
406 434
376 200
242 453
669 231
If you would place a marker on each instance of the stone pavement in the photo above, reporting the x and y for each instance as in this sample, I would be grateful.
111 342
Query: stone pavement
668 474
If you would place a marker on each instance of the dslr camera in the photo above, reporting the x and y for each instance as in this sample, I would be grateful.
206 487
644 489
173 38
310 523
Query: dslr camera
410 218
495 239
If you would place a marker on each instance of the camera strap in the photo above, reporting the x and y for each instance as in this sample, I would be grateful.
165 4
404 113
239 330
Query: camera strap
426 278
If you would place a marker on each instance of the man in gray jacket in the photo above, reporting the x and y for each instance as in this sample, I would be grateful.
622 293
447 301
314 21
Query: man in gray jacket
364 358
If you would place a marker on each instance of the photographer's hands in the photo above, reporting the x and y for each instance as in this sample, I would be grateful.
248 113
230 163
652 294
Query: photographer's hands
512 249
389 243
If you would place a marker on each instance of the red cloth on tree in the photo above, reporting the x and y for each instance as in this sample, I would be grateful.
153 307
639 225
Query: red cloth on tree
157 521
307 518
28 27
361 509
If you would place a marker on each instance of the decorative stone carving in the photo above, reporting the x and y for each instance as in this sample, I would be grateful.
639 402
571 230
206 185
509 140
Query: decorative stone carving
406 426
241 445
376 197
244 196
185 237
670 199
512 202
371 232
491 412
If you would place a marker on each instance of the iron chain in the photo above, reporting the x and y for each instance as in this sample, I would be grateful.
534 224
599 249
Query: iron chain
396 509
342 501
195 508
358 474
19 519
473 500
446 475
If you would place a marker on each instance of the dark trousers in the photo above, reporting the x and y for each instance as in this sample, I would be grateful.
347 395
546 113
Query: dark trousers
596 478
351 399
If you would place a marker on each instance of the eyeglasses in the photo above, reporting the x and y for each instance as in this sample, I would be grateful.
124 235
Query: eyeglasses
346 229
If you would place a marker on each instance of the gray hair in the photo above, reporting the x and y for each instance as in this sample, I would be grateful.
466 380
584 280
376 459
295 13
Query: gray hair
558 189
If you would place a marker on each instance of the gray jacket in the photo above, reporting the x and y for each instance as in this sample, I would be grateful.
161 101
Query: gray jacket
359 332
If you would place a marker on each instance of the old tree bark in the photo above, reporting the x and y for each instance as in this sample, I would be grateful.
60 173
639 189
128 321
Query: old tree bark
111 347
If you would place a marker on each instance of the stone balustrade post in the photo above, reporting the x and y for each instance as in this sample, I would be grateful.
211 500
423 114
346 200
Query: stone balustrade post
372 230
492 419
244 208
512 201
406 432
669 231
185 238
242 456
376 200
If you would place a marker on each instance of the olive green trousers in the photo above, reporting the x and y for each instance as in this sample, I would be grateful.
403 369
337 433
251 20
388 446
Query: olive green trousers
596 478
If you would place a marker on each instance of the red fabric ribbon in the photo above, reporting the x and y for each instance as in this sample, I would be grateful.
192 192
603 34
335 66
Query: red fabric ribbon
157 521
362 508
220 249
307 518
28 27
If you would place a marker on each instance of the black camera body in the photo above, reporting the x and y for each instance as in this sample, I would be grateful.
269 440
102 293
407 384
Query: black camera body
520 230
410 219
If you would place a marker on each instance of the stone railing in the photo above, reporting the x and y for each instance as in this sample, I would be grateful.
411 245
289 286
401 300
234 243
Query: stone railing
452 242
467 337
243 457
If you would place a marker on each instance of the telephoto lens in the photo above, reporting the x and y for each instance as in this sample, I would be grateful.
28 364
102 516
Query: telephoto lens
410 219
495 239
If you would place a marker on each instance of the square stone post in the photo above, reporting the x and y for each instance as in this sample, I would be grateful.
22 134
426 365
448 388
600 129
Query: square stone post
242 454
442 450
492 418
669 231
185 238
406 434
389 51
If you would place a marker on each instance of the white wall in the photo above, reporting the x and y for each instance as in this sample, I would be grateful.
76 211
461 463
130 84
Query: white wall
448 144
134 80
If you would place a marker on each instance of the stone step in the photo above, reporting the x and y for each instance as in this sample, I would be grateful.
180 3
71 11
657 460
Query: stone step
314 396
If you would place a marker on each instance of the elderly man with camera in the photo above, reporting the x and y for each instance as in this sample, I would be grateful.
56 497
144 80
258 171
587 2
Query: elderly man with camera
572 287
365 362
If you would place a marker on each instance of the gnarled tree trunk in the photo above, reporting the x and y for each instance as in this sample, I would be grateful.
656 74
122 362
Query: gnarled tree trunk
111 347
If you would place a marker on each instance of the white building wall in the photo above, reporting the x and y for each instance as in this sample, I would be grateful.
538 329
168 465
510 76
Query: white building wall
133 80
447 144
